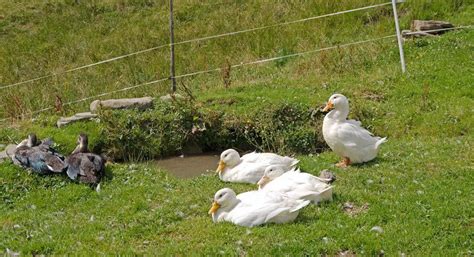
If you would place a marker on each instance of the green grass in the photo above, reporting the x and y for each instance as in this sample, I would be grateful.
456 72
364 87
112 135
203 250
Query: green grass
419 189
41 38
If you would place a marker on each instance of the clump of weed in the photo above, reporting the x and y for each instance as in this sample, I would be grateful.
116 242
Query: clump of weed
167 129
137 135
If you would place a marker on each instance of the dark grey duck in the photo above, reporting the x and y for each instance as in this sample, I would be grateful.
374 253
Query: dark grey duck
84 166
38 156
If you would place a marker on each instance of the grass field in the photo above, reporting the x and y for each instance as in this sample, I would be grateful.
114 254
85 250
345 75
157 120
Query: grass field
419 190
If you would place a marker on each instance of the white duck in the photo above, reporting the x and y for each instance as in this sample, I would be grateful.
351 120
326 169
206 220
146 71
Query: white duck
296 184
250 167
254 208
346 137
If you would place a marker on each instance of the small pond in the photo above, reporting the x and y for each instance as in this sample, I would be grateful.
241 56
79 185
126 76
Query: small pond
190 165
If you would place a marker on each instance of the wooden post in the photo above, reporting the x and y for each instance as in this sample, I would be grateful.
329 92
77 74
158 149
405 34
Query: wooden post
172 68
399 35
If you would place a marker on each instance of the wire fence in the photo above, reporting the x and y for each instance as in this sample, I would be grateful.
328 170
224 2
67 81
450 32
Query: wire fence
220 69
192 41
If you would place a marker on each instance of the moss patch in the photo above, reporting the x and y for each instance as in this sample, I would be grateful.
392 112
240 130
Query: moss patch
168 128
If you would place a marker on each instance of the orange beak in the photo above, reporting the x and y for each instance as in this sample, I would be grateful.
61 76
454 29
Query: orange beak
215 206
221 166
329 106
263 181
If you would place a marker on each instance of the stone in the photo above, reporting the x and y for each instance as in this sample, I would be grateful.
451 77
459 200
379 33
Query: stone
10 150
3 156
169 97
420 25
421 28
76 117
8 153
124 103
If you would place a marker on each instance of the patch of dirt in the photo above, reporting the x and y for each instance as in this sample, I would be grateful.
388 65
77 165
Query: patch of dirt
346 253
370 95
353 210
221 101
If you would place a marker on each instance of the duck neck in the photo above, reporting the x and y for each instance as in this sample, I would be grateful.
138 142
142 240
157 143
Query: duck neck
229 205
81 148
232 163
339 114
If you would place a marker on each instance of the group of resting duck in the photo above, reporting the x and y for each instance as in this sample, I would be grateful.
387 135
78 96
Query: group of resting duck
283 190
40 157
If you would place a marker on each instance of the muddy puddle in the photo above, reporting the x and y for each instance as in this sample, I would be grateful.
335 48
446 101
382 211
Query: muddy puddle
189 166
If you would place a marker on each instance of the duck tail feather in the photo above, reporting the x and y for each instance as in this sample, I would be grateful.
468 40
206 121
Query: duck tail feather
379 142
301 204
294 163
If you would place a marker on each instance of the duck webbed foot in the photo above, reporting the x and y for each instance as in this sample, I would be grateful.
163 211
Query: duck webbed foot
344 163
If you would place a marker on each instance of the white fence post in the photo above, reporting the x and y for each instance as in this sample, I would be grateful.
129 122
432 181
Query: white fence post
399 34
172 67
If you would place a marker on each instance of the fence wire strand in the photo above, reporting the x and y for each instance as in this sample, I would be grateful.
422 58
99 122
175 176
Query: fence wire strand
215 70
249 63
191 41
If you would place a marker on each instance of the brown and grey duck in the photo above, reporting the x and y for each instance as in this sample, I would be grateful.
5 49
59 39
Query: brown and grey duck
84 166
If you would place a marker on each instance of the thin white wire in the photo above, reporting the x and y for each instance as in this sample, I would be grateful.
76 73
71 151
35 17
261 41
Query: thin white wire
244 64
194 40
286 56
214 70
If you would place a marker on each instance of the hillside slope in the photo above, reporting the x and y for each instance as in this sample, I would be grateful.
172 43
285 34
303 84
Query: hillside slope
419 189
41 38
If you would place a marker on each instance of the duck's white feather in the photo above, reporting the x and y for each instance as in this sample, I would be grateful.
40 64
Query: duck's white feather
347 138
250 167
244 172
269 159
256 208
300 185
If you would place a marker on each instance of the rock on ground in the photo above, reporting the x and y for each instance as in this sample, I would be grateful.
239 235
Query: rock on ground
424 28
7 153
171 97
125 103
77 117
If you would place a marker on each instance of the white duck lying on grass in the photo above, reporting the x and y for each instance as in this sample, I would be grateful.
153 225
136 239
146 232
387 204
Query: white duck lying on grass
346 137
250 167
254 208
295 184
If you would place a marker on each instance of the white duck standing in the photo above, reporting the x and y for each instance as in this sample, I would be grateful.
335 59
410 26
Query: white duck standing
346 137
254 208
250 167
296 184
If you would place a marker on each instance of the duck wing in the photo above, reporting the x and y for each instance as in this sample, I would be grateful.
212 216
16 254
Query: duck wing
73 163
250 157
91 168
36 161
353 135
54 163
47 146
269 159
259 207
